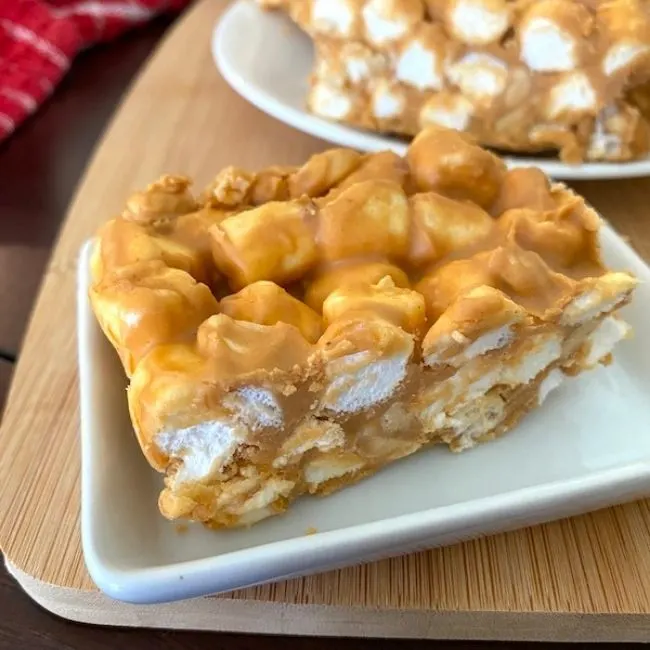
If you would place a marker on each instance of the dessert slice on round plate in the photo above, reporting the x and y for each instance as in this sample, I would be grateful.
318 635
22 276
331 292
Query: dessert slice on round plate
552 75
565 77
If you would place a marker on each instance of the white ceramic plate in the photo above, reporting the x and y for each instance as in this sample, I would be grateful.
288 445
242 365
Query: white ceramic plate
267 60
587 447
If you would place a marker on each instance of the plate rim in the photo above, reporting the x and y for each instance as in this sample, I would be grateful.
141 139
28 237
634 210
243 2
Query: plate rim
345 546
345 135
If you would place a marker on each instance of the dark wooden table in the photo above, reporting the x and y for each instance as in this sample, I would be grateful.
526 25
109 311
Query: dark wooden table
40 166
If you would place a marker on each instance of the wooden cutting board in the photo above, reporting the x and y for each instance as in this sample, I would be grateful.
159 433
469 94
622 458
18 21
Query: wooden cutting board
583 578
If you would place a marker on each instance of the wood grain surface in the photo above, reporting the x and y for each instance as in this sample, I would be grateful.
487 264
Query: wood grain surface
41 164
6 370
46 632
181 117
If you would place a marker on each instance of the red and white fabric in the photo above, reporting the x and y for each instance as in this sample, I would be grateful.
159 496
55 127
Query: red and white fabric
39 39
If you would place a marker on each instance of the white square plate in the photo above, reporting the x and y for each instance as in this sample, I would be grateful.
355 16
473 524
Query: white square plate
587 447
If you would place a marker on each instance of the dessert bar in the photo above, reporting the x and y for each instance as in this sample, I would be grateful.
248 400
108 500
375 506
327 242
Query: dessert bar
520 75
295 329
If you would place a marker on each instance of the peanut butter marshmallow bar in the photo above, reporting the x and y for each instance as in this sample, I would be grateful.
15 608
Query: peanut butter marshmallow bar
293 330
520 75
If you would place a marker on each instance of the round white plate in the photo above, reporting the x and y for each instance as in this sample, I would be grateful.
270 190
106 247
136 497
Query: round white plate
267 60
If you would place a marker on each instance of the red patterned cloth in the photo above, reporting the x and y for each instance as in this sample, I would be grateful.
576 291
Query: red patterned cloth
40 38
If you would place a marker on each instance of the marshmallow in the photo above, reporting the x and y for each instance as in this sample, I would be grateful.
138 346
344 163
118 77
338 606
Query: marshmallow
361 63
550 35
369 218
388 101
449 163
623 56
615 132
478 22
480 77
402 307
271 242
419 62
265 303
339 277
448 110
574 96
329 101
333 17
450 224
626 23
386 21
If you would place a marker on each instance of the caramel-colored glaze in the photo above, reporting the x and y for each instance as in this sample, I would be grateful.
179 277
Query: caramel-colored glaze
146 304
332 277
415 302
271 242
526 188
237 350
164 199
448 224
402 307
381 166
368 218
265 303
179 239
448 162
444 285
230 188
323 171
483 308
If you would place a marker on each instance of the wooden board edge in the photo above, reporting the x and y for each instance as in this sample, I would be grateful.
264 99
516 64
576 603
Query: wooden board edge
254 617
